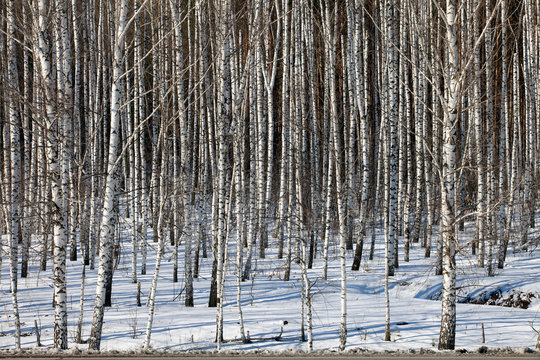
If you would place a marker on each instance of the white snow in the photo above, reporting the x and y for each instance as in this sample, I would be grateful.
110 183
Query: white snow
269 303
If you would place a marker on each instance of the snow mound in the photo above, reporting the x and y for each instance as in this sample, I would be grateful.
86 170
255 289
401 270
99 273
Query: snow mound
501 297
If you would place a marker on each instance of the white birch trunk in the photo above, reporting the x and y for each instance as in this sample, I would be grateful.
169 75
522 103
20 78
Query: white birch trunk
270 80
328 206
239 191
419 100
16 165
28 155
490 156
436 131
478 121
78 336
60 235
330 28
530 127
224 112
447 335
107 226
285 146
260 149
514 161
431 162
403 132
140 116
504 146
307 294
392 113
292 201
360 77
252 220
161 241
65 93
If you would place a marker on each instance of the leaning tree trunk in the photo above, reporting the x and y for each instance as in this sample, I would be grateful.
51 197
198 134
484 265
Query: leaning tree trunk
161 241
330 29
107 226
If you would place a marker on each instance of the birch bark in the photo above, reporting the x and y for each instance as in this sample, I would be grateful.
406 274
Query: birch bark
490 153
60 235
330 26
16 164
224 112
504 147
108 226
480 218
392 113
447 335
360 78
64 107
161 241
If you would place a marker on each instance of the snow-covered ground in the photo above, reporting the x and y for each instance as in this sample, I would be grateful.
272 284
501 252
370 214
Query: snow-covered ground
270 304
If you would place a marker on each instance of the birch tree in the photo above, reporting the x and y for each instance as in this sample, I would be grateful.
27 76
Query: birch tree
330 33
504 148
360 80
108 226
479 137
48 79
64 102
16 164
224 24
161 241
392 113
447 335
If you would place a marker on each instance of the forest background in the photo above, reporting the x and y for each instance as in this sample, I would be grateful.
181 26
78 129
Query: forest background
287 127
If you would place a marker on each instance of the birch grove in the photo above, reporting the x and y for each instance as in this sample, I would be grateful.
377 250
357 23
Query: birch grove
247 131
